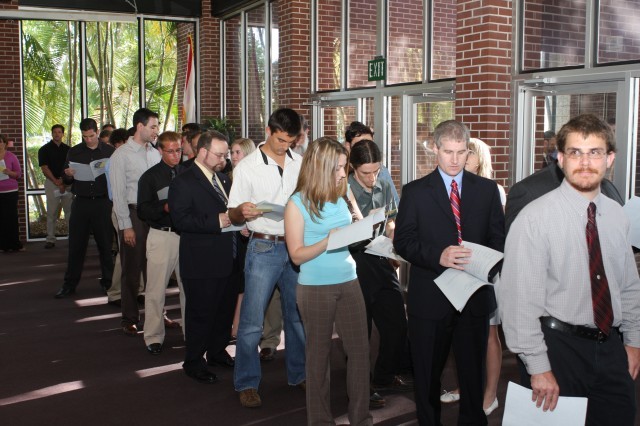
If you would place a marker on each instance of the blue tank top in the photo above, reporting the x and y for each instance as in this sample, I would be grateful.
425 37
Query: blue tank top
331 267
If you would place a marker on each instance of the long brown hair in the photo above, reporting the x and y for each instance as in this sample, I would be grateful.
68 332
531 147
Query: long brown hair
317 182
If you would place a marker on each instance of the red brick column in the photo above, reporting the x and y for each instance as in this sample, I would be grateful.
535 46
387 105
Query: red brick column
11 105
483 76
209 54
295 55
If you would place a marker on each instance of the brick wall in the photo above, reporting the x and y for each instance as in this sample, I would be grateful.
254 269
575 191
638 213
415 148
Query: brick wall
10 92
209 53
294 23
233 98
483 80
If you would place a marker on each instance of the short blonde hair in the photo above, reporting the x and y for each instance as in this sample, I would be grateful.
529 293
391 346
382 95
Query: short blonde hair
316 182
483 152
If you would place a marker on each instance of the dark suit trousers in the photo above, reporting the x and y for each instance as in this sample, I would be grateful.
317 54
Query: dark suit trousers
385 306
134 262
203 330
598 371
430 343
89 216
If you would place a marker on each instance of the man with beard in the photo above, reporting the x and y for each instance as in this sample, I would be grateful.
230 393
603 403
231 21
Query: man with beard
569 291
198 207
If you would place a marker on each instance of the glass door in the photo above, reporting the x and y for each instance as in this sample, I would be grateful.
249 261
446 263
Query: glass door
544 106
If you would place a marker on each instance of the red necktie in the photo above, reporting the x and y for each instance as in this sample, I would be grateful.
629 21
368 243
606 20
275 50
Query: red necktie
601 298
455 207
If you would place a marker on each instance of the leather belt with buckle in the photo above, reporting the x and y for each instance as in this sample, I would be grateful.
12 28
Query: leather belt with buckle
576 330
267 237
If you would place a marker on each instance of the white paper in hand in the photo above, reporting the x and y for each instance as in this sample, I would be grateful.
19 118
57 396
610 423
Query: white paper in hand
519 410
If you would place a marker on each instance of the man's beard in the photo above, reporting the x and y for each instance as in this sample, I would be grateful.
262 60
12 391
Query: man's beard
585 186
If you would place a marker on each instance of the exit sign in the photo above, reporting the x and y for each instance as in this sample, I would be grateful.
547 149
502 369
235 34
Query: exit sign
377 69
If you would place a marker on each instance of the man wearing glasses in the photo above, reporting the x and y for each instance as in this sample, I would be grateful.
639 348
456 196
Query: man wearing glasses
198 208
162 241
569 291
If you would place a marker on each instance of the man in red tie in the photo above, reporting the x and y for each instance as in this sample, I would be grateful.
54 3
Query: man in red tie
436 213
569 291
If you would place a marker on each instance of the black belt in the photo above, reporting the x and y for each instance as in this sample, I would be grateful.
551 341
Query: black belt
91 197
268 237
576 330
165 228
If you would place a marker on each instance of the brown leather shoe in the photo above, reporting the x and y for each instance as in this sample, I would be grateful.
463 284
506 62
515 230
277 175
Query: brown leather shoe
249 398
267 354
168 323
302 385
130 330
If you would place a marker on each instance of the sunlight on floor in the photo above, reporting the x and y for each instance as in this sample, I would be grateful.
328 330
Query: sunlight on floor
148 372
43 393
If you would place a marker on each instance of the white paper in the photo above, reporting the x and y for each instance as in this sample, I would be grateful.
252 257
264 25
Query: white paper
458 286
383 246
271 211
163 194
519 410
632 209
3 166
88 172
233 228
357 231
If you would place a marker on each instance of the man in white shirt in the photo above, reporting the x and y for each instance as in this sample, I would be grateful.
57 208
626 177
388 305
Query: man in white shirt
126 166
268 174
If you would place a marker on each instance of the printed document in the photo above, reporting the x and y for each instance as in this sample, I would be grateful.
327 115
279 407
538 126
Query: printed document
383 246
271 211
357 231
458 286
89 172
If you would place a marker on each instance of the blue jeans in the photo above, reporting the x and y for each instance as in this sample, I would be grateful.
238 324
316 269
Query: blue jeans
266 265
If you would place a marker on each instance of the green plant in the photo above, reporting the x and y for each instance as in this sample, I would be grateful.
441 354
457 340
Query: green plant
223 125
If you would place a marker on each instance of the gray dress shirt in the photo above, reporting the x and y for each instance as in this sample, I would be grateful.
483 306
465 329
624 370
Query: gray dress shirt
546 272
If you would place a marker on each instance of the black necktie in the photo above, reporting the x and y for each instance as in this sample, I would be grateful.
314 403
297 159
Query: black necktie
600 295
173 173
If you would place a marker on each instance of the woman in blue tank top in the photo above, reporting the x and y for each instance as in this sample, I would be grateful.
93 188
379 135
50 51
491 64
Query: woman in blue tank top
328 292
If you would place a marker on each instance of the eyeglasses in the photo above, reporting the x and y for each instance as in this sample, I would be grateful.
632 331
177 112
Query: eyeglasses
594 154
219 155
172 151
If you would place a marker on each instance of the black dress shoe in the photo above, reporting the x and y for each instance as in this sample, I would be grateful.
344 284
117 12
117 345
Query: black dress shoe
222 359
116 302
202 376
49 245
155 348
267 354
64 292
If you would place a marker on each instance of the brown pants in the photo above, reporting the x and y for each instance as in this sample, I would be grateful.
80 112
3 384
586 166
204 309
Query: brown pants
322 306
134 263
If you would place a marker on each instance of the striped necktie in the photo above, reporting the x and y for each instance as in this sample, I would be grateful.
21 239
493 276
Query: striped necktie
600 295
455 207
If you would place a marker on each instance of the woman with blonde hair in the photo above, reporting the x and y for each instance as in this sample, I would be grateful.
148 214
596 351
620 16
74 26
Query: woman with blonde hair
328 292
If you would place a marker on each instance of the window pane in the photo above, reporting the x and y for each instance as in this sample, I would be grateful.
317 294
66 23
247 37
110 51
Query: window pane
232 63
405 43
443 45
113 72
50 52
552 112
427 116
161 66
619 32
256 49
275 55
336 119
554 33
362 41
329 44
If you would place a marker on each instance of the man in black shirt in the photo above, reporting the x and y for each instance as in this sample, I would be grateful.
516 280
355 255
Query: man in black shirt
51 158
91 209
163 243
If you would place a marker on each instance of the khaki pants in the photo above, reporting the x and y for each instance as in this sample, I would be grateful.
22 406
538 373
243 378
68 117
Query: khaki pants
53 204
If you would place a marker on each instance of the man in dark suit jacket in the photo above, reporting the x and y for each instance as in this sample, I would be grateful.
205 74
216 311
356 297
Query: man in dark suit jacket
199 212
428 237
